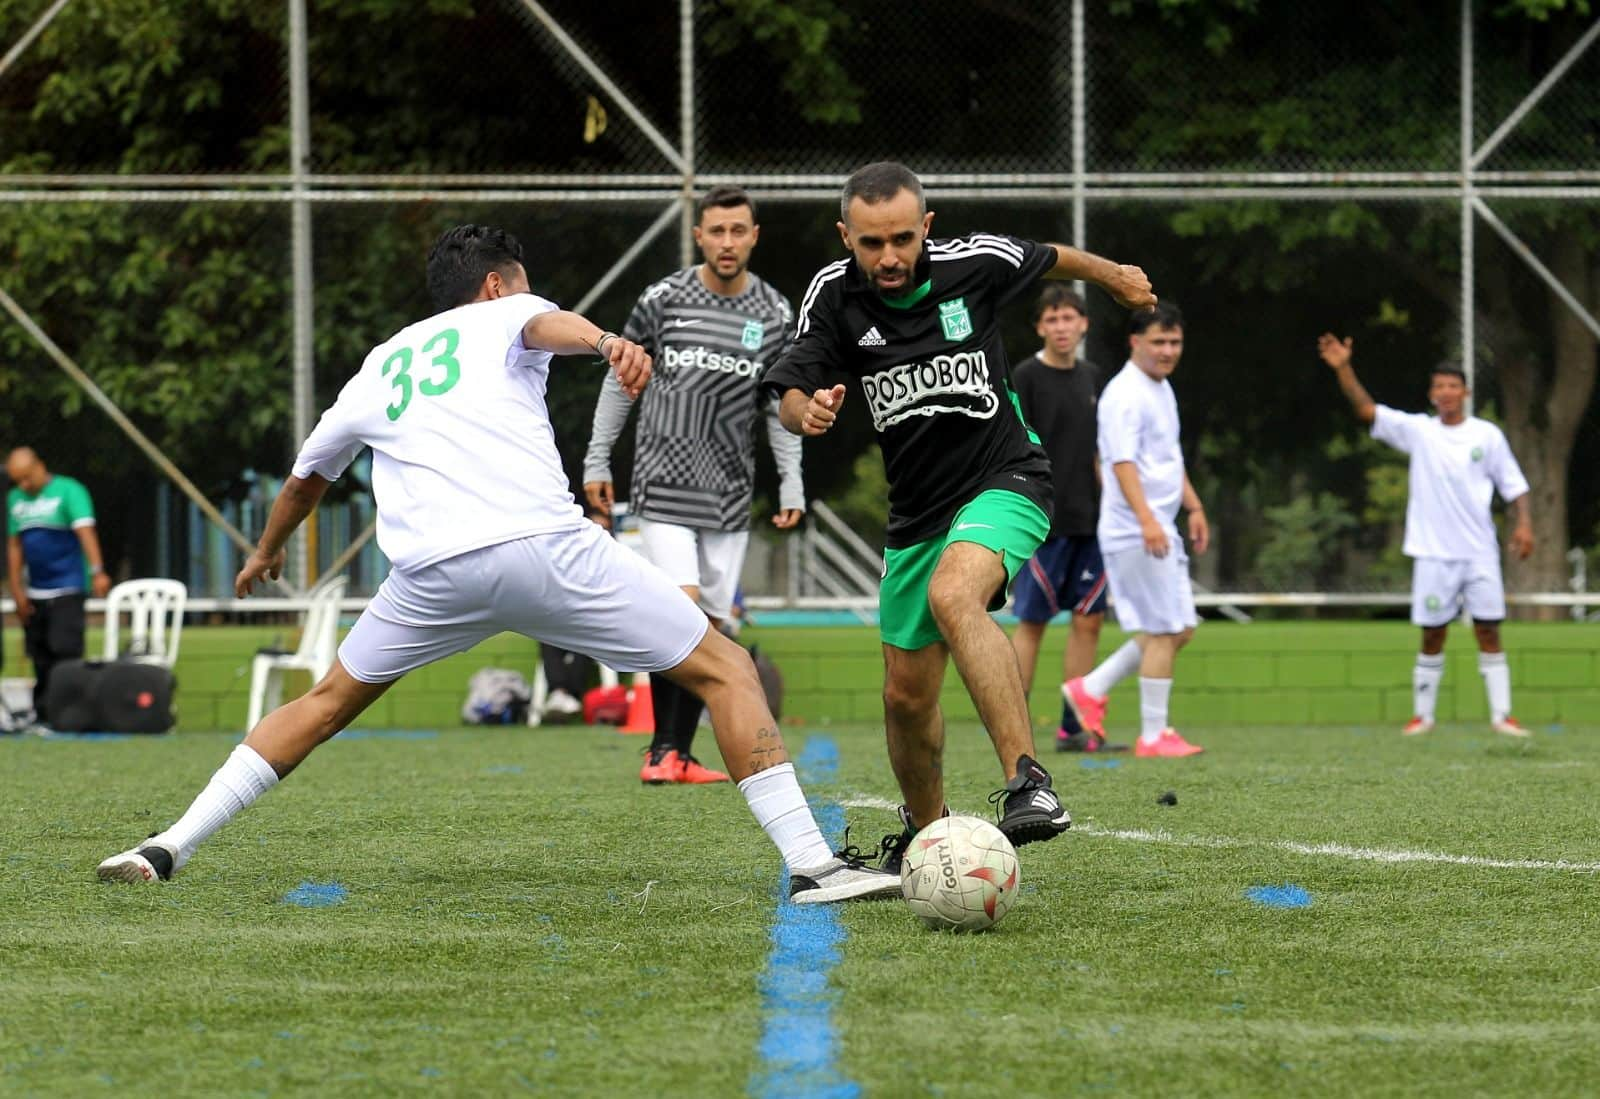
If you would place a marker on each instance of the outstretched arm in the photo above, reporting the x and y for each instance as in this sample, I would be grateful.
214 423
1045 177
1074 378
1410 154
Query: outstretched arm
567 333
1124 282
1336 353
296 500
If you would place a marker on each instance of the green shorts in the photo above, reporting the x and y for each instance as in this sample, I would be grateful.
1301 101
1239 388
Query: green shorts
1007 522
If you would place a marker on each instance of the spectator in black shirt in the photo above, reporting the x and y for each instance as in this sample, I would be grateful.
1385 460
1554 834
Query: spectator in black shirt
1058 390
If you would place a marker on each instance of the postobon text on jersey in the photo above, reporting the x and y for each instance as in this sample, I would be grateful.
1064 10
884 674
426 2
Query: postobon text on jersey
916 389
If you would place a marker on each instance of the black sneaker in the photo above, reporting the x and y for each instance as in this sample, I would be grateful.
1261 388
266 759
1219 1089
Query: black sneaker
1027 809
893 847
1086 742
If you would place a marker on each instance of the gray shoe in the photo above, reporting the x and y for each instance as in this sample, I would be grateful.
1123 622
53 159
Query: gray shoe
841 878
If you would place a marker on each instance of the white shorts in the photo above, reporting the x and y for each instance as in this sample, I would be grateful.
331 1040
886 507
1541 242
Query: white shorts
1152 594
1439 589
710 560
576 589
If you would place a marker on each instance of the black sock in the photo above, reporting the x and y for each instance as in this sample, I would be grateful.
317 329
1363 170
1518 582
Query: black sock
686 722
664 695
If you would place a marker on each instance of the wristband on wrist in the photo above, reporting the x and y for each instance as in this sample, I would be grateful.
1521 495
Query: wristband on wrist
600 344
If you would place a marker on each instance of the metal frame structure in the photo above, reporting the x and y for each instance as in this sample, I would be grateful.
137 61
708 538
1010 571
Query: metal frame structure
673 191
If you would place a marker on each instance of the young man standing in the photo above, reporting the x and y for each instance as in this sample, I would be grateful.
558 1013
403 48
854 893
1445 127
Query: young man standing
915 324
1458 462
712 329
50 535
1145 484
1058 390
474 513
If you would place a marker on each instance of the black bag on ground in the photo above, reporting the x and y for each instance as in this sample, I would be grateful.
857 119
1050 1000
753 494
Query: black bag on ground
135 698
70 697
119 697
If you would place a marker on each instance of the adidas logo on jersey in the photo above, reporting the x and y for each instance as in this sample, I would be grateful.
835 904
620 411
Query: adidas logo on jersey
871 338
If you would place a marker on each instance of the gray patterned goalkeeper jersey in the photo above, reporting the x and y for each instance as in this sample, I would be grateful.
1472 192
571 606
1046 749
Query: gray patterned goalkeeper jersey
694 460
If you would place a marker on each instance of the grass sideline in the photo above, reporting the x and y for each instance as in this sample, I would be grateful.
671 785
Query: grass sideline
522 917
1265 673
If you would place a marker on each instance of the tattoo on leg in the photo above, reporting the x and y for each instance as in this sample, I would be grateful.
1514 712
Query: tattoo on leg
768 750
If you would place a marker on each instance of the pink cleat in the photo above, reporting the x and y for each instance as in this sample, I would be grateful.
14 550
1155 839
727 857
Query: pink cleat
1168 745
1510 726
1417 726
1090 711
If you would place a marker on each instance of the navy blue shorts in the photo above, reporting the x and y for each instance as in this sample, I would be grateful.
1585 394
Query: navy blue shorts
1066 574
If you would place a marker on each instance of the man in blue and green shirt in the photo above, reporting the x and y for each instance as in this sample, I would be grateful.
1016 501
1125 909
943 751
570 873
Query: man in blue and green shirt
50 535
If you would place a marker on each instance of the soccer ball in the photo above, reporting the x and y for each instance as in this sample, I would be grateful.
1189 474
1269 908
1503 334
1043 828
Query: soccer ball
960 874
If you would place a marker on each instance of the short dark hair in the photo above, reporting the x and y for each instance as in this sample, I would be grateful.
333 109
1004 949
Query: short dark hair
725 196
1057 295
879 182
1450 368
463 257
1164 315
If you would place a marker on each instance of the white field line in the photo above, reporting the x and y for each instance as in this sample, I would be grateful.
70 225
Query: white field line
1314 850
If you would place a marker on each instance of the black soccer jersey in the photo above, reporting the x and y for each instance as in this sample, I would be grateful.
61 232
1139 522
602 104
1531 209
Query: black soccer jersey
932 371
1059 405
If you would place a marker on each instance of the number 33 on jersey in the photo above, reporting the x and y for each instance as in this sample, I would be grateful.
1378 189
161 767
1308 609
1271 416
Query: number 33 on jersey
397 367
462 451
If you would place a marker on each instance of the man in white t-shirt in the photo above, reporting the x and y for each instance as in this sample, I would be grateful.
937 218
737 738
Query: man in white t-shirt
475 516
1458 462
1144 484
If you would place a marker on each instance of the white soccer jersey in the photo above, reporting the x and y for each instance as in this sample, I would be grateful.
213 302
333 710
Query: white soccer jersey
1138 423
1454 474
463 455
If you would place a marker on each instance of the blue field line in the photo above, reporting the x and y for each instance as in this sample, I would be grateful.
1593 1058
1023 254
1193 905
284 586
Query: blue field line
799 1046
1279 896
310 894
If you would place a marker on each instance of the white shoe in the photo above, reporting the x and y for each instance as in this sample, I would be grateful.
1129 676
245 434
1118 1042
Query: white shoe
841 879
150 861
1510 726
560 704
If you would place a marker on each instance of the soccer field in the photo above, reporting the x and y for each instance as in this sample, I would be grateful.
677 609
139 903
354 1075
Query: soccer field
1329 912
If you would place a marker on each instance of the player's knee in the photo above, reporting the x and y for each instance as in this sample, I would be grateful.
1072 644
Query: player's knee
907 701
952 603
1488 634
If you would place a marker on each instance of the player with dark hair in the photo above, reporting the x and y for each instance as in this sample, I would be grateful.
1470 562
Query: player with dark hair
475 515
914 324
1141 463
1058 389
1458 462
712 329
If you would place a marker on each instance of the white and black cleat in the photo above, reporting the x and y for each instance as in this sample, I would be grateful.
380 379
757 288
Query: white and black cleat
147 862
841 878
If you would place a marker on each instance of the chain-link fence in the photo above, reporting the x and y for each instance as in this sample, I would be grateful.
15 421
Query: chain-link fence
215 210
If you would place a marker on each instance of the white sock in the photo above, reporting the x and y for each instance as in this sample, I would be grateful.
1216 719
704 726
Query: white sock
780 808
1425 679
1113 670
1497 682
238 782
1154 694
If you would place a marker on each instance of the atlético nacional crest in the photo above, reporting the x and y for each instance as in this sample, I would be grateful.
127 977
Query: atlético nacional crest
954 319
753 332
1477 454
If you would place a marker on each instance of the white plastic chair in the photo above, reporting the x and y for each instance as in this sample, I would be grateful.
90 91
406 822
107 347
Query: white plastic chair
319 645
155 620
